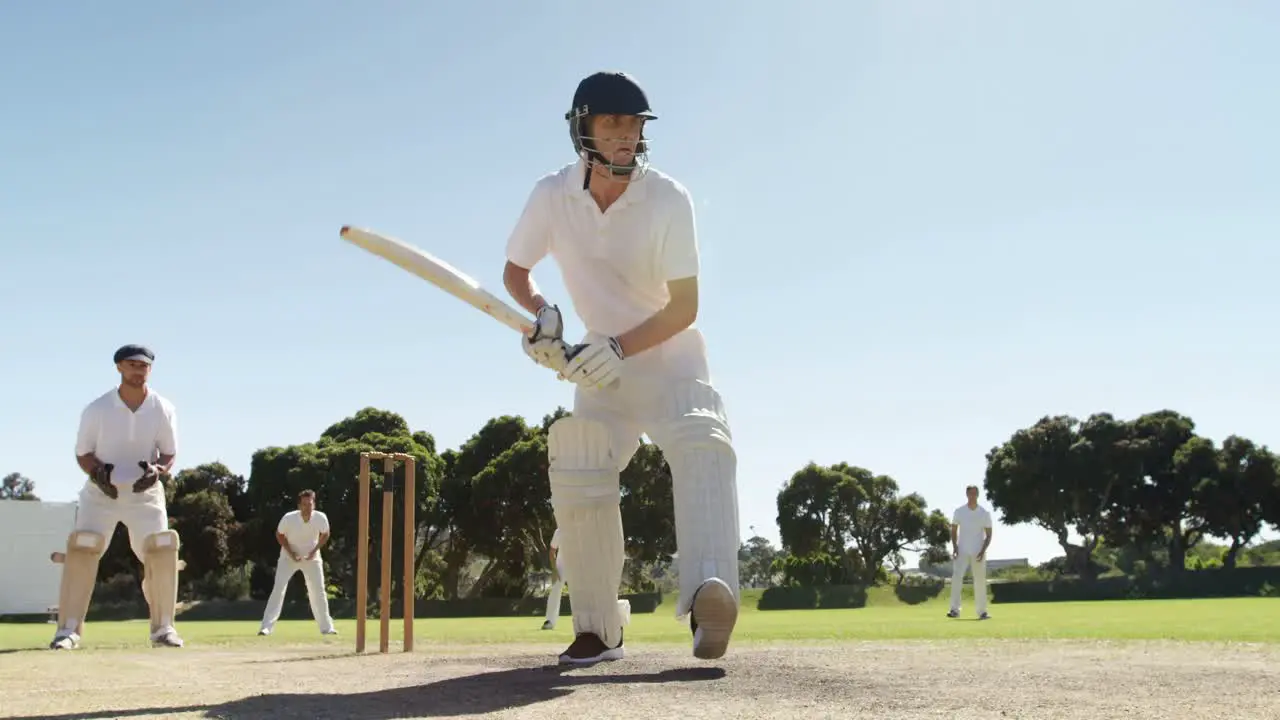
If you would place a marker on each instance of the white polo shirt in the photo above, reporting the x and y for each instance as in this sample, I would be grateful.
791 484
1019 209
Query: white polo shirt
971 525
615 264
303 535
123 437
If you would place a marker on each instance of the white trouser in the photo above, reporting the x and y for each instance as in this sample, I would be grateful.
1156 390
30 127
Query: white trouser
143 514
553 595
313 573
969 561
653 400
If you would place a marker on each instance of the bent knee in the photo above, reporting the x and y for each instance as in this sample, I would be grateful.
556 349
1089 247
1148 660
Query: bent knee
165 541
88 542
582 464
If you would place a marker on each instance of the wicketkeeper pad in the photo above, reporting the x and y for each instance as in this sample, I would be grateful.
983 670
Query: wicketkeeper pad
79 571
585 495
698 445
160 577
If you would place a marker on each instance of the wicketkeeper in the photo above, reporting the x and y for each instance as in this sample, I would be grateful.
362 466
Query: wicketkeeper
126 444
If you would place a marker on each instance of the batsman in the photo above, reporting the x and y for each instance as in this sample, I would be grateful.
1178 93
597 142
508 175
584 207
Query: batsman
624 238
126 444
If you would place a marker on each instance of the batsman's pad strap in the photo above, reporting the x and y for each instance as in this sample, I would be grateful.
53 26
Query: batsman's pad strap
83 541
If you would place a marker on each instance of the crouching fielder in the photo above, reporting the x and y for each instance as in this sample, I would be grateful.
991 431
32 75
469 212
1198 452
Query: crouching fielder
623 235
127 442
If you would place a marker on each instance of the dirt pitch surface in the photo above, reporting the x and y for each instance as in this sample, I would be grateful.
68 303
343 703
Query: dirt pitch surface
953 680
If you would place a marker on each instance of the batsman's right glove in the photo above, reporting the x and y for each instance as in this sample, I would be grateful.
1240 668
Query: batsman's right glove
102 478
545 345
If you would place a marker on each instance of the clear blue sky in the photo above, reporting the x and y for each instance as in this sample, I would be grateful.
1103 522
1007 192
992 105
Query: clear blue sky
923 225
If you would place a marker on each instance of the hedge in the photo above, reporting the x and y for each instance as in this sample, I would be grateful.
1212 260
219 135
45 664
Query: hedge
813 597
1240 582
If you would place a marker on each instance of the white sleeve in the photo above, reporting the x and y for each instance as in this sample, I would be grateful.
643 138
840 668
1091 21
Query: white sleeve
986 519
530 240
167 443
679 258
283 525
324 522
87 435
955 517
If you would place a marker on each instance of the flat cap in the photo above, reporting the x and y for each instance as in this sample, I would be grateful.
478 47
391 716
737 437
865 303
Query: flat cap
134 352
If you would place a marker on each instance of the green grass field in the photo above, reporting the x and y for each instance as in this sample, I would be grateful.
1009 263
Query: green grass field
884 618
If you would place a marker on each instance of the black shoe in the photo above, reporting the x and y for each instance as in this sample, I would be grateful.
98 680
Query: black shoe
589 648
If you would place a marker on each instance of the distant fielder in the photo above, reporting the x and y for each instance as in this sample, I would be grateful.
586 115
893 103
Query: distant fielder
126 444
557 584
623 235
301 533
970 536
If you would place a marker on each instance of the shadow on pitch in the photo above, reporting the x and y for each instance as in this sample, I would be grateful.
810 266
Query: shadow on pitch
468 695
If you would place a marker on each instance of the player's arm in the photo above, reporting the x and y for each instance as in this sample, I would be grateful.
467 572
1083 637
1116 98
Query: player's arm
987 540
679 266
324 535
87 442
678 314
519 283
955 535
530 241
167 443
284 543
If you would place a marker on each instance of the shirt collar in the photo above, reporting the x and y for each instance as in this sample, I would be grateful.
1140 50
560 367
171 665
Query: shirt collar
636 190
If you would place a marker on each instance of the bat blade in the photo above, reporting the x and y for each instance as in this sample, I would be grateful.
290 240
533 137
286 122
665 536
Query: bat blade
438 273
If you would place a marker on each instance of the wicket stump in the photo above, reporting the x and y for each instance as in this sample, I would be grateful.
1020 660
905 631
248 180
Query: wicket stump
362 551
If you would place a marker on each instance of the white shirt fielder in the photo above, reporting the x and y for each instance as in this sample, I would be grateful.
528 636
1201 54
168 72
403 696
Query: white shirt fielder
971 526
303 536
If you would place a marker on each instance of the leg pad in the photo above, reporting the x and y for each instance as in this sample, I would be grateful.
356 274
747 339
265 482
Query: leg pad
79 573
160 577
585 495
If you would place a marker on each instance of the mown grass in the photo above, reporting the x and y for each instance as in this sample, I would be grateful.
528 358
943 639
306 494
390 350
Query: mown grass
884 618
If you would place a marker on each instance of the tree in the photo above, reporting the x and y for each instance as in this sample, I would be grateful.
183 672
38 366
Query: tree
844 522
16 486
1064 476
756 562
648 509
207 528
1228 501
475 506
1154 507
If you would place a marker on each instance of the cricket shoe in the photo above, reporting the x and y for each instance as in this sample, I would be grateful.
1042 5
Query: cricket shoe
166 638
712 616
588 648
548 626
67 641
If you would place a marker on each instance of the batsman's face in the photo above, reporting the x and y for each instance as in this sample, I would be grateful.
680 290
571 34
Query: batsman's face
616 136
306 505
971 494
134 372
